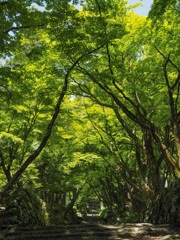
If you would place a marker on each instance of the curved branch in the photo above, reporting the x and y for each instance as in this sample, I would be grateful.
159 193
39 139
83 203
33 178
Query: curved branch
47 135
129 114
24 27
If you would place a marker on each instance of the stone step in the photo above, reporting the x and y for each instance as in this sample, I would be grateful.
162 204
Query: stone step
93 232
84 231
76 235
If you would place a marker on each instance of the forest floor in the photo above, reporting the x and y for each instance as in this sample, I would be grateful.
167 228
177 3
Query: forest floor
94 231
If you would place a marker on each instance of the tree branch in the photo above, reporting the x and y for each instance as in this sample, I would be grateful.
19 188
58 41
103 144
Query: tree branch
24 27
119 103
47 135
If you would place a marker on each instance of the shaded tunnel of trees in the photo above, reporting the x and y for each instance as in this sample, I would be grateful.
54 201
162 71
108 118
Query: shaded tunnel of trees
89 111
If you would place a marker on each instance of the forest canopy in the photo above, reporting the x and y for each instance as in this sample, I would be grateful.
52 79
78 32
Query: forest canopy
90 104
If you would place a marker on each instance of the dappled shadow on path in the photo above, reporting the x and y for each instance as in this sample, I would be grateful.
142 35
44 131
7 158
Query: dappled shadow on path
146 231
90 231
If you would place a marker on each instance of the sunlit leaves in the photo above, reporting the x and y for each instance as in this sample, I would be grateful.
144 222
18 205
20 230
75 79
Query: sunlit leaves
159 7
118 93
8 139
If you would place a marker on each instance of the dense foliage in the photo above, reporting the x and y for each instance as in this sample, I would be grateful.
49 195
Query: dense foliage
90 106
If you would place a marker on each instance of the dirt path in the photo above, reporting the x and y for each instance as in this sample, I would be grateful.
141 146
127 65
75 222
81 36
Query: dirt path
90 231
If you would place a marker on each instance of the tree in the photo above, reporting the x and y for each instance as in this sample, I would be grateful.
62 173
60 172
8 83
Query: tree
124 80
160 7
114 77
26 65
